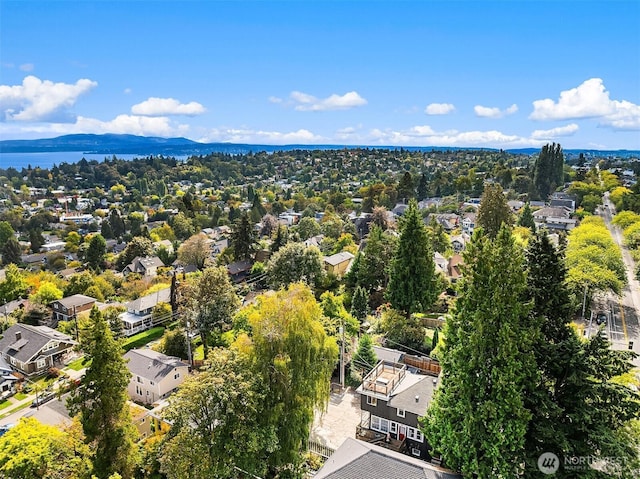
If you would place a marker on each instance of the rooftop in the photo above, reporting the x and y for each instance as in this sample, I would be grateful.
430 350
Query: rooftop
357 459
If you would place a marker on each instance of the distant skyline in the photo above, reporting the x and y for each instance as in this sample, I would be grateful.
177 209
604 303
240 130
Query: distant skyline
493 74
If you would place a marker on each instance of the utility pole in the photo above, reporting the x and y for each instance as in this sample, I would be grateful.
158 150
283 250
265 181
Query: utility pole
341 356
188 333
584 301
75 318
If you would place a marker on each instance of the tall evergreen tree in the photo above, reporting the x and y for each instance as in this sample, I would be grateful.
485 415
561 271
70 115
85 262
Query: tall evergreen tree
11 252
105 230
526 218
478 417
423 187
365 358
494 210
406 188
372 266
101 402
117 223
243 238
412 281
96 252
360 303
571 403
36 240
281 238
548 171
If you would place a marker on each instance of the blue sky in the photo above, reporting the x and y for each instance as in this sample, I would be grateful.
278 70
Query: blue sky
489 74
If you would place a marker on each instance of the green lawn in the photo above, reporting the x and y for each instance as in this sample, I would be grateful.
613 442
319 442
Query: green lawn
198 353
77 364
5 404
143 338
20 396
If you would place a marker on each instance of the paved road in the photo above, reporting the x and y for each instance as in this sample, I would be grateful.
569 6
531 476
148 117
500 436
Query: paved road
623 325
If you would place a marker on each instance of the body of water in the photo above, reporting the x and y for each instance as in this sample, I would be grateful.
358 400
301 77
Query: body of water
48 159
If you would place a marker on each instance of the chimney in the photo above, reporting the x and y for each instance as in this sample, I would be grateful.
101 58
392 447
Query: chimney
417 398
18 335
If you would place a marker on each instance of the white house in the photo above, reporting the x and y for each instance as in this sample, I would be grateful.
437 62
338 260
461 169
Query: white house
138 316
154 376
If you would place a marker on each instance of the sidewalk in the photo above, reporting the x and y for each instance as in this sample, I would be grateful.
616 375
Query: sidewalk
17 405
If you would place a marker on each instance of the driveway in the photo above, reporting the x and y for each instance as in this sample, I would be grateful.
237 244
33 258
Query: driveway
339 421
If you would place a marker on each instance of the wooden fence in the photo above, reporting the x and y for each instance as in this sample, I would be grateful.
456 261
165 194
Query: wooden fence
424 365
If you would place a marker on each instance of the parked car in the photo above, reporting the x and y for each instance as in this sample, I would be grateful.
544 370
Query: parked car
5 428
601 317
43 398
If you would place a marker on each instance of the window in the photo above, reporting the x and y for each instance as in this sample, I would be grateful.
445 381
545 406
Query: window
138 390
139 379
41 363
176 376
384 425
394 427
151 382
371 401
414 434
375 423
415 451
379 424
400 412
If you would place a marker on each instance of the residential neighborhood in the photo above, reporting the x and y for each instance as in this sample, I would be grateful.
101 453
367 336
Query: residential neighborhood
357 295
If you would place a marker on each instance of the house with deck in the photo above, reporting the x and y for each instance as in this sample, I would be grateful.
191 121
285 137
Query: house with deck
138 316
392 398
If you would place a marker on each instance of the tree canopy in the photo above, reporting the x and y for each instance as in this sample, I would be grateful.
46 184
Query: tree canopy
412 286
101 402
294 358
478 418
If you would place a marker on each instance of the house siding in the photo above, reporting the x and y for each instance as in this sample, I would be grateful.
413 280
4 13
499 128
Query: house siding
410 420
140 389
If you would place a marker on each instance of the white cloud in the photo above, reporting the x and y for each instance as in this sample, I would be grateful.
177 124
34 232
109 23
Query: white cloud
424 135
275 99
127 91
37 100
130 124
566 130
246 135
27 67
439 109
494 112
167 106
589 100
306 102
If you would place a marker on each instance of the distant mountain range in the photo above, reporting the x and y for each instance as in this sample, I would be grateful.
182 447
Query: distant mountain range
150 145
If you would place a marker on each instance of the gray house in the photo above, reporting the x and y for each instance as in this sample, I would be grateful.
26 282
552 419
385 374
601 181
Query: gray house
34 349
392 398
358 459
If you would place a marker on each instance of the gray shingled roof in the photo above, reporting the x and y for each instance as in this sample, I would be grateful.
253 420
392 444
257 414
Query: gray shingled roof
360 460
150 300
338 258
150 364
75 300
32 340
410 388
